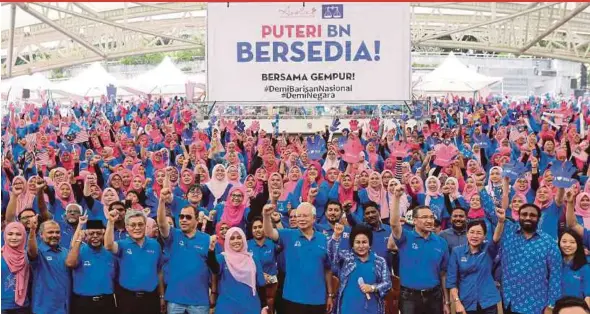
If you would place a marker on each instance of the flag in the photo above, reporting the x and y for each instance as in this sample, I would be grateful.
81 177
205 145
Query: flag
81 137
42 158
189 89
31 141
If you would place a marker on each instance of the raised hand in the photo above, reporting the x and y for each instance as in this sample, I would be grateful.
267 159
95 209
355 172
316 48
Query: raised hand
82 220
399 191
338 231
212 242
501 214
268 209
113 215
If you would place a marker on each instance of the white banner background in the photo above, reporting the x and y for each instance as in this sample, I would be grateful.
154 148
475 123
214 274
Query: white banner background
244 24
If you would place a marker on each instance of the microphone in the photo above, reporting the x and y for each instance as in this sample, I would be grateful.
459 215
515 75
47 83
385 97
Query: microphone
361 281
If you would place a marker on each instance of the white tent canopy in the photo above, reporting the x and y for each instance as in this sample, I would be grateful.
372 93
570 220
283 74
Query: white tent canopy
92 82
12 89
164 79
453 76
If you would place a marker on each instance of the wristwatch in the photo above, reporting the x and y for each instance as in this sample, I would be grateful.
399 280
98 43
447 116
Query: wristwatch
373 288
331 295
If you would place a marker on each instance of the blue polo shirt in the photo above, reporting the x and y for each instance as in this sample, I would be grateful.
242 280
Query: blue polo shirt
51 281
421 260
95 273
471 273
305 265
67 232
549 221
8 287
121 234
575 283
187 275
266 254
236 297
139 265
380 237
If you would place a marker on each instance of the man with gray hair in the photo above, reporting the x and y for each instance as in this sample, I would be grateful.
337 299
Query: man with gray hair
140 260
306 262
51 277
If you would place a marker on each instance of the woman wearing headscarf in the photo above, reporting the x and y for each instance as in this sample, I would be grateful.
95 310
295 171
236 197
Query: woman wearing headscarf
15 270
433 198
551 207
239 275
494 186
374 191
216 190
233 176
364 276
312 187
26 197
186 180
582 209
64 195
234 211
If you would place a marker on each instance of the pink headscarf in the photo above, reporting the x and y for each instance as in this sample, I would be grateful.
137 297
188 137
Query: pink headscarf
232 214
522 197
549 201
240 264
307 184
105 207
26 198
378 195
70 199
185 187
237 181
291 183
430 194
17 263
584 213
347 195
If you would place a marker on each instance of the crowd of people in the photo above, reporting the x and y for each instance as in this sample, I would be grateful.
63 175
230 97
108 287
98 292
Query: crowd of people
131 207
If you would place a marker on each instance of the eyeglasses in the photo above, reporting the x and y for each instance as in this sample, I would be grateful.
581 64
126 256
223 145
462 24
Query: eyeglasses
137 226
426 217
187 217
26 217
237 196
73 211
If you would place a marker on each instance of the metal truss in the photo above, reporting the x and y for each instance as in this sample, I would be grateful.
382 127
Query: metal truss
80 35
558 30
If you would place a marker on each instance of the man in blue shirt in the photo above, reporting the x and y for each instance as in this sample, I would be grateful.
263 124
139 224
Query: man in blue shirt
333 215
308 278
531 263
93 270
423 262
51 277
139 264
381 231
456 235
265 251
186 275
69 223
119 228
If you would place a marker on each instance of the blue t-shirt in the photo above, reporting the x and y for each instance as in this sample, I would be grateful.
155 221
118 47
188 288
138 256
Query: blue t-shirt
51 281
95 273
139 265
8 288
575 283
266 254
354 300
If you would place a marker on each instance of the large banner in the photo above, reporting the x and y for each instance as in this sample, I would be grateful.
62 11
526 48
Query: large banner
275 52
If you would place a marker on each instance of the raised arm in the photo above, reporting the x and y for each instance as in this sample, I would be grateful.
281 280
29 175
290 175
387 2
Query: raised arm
74 254
501 214
164 227
269 230
109 236
32 241
394 219
570 216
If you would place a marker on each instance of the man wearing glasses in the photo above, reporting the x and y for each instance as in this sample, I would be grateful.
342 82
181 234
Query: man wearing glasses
69 224
93 270
140 260
187 282
423 261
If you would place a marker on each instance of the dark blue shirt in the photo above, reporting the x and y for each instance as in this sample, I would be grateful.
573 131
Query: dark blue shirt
187 274
305 262
328 231
454 238
421 260
95 273
51 281
8 287
528 291
549 222
575 283
266 254
67 232
139 265
471 273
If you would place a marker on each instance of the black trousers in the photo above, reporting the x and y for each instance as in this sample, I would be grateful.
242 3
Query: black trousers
298 308
100 304
135 302
24 310
421 302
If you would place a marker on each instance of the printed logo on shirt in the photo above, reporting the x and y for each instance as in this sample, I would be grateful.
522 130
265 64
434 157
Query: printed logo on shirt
10 282
464 259
198 247
269 251
577 277
181 243
297 244
87 263
49 258
415 246
345 235
151 251
129 252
